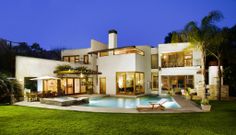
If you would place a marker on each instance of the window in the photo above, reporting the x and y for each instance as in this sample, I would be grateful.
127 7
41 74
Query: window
154 61
154 81
130 83
127 51
66 58
188 59
76 85
74 58
189 81
177 82
77 59
86 59
50 85
177 59
102 54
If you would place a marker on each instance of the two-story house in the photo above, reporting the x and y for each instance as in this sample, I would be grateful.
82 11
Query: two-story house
128 70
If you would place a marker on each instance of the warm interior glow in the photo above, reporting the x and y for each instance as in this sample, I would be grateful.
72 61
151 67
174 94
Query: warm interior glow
130 83
127 51
50 85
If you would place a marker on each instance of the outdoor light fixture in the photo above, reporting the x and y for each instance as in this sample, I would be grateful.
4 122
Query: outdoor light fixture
81 75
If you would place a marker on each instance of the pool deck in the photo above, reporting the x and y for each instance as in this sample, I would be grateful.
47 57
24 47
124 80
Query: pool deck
187 106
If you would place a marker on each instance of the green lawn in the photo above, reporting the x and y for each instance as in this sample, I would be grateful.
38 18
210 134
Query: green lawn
25 120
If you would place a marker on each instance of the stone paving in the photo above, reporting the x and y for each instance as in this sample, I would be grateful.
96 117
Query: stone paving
187 106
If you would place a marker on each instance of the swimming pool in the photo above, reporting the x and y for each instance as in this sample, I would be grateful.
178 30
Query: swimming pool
125 102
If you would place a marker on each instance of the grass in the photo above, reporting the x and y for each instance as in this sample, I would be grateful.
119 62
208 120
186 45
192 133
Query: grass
25 120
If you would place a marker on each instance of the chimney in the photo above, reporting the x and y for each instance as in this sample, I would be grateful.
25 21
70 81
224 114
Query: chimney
112 39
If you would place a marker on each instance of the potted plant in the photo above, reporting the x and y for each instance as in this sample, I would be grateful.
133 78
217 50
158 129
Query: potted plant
171 92
205 105
187 94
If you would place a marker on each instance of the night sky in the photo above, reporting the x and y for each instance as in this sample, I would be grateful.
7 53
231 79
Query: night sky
72 23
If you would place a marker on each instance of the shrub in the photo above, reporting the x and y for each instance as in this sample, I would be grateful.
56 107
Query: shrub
64 67
5 89
205 101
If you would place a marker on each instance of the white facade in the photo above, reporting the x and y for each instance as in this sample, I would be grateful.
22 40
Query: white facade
110 65
136 60
180 71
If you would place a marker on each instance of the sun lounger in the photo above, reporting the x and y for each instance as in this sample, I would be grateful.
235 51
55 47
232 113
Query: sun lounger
153 106
144 107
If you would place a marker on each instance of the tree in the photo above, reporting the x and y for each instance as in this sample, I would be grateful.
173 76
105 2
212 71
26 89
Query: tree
5 60
6 87
200 36
218 46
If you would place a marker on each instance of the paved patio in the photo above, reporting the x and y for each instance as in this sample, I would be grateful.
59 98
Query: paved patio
187 106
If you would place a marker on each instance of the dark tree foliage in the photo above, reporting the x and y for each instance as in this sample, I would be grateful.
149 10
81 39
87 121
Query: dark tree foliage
5 89
168 38
171 35
229 60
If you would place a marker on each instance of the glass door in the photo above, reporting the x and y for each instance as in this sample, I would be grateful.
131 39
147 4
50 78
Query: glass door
83 85
103 85
77 85
70 86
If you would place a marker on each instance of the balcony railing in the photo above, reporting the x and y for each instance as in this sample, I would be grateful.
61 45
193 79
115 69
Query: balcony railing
186 63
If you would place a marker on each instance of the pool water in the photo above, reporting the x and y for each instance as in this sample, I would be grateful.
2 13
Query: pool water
124 102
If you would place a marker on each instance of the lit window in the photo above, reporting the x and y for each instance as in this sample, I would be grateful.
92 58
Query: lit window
127 51
66 58
86 59
154 61
104 54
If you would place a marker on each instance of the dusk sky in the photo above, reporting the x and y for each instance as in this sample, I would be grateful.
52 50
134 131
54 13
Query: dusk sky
72 23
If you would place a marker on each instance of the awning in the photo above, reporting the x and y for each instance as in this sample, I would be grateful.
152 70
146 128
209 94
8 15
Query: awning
45 78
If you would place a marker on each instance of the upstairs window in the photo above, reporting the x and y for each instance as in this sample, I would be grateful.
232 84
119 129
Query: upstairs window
66 58
188 58
154 61
102 54
77 59
128 50
86 59
73 59
177 59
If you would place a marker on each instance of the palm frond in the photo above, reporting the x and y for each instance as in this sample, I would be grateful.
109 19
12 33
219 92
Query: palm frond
211 18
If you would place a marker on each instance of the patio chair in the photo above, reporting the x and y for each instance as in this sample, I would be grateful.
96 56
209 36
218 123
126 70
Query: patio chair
31 96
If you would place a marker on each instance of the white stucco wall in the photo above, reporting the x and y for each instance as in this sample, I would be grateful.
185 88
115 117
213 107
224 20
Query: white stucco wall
35 67
154 50
109 65
213 75
97 45
143 64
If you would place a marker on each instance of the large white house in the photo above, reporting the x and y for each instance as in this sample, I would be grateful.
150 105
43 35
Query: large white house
130 70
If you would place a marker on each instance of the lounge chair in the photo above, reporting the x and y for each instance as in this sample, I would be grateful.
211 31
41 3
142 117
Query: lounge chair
153 106
144 108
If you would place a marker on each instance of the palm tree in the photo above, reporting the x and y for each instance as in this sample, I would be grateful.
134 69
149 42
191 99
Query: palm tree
200 36
216 49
